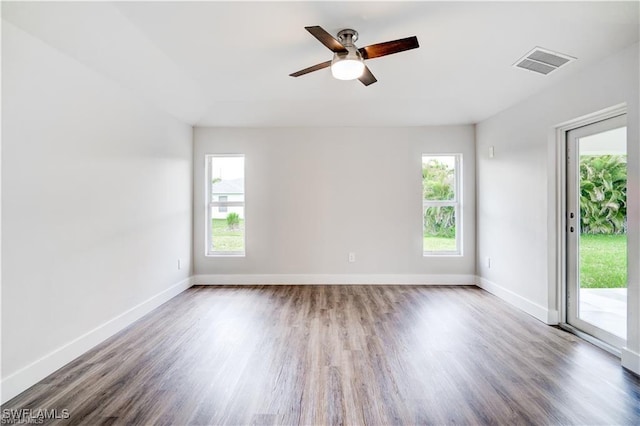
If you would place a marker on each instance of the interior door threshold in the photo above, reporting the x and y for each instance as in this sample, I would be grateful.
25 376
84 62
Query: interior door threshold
589 338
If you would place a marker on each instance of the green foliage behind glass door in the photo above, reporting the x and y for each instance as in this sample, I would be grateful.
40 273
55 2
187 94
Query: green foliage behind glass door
603 194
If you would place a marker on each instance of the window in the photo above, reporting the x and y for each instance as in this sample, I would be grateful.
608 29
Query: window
225 205
441 208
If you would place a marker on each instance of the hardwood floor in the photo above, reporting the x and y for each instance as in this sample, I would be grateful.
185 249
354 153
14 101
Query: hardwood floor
317 355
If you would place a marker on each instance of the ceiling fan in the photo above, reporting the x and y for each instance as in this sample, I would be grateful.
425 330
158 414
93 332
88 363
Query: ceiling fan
348 60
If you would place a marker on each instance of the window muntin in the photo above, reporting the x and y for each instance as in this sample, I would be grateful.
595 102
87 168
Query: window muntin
225 205
441 206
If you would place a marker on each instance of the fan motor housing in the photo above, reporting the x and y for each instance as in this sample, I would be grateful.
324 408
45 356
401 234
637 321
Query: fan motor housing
347 37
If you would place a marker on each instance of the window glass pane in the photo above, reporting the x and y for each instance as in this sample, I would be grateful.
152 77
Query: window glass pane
227 175
226 211
227 230
439 230
438 177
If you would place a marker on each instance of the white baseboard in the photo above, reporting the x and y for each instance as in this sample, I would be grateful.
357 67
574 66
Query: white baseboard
310 279
541 313
26 377
630 360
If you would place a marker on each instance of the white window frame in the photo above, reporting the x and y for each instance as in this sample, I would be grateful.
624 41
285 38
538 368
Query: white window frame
222 207
456 203
210 203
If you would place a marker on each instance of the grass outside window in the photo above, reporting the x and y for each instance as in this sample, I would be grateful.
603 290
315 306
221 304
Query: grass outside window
226 238
439 244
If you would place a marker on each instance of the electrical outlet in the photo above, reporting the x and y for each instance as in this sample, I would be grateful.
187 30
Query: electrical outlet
488 262
352 257
179 264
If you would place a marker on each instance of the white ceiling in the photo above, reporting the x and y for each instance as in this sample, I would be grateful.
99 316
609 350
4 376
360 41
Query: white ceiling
228 63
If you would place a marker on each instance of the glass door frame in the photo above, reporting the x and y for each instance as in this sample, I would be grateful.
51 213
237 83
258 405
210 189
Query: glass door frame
559 232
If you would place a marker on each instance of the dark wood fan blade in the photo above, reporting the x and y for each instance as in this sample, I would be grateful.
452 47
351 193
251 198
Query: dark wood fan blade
389 47
367 77
326 39
311 69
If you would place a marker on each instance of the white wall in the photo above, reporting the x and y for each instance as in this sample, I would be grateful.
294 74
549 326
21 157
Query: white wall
96 208
315 194
517 188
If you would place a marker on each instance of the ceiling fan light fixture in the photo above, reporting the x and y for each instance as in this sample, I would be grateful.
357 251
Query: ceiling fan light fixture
348 61
347 67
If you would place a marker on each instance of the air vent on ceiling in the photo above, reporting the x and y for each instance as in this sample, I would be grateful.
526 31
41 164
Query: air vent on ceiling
543 61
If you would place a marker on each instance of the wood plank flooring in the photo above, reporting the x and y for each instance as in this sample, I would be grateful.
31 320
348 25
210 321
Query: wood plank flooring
331 355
